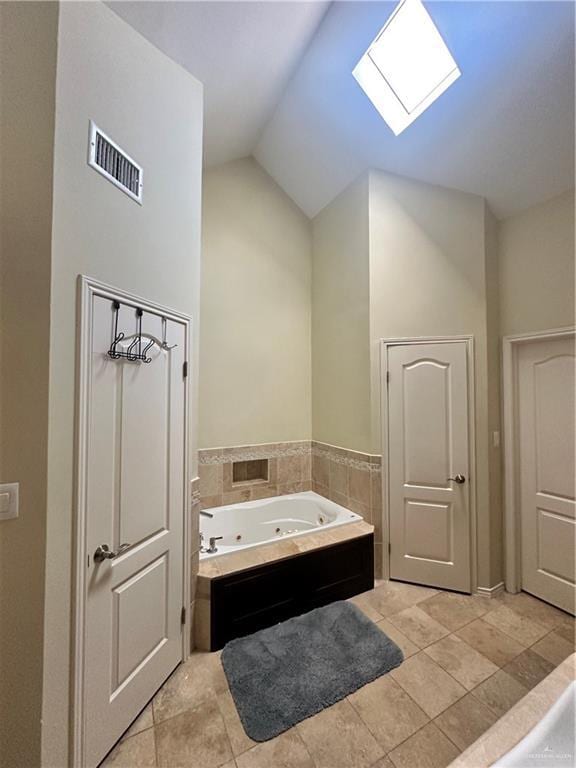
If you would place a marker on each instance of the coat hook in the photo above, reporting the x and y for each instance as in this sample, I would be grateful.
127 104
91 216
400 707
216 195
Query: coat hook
134 353
165 344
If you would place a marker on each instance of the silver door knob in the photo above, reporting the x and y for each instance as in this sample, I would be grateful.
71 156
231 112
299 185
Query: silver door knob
458 479
103 552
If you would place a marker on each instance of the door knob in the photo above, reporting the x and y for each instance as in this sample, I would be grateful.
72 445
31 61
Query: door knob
103 552
458 479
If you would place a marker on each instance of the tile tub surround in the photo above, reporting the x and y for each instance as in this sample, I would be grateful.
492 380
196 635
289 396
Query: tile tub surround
349 478
390 723
289 471
354 480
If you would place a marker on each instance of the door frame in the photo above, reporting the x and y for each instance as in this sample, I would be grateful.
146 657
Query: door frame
87 288
419 340
512 530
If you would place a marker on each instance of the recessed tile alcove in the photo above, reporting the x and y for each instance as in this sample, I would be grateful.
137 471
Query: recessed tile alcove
251 471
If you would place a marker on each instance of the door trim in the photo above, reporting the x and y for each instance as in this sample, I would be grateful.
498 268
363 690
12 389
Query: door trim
87 289
510 346
394 342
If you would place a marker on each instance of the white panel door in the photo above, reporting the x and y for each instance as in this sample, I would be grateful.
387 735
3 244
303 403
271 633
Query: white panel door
135 500
427 445
546 417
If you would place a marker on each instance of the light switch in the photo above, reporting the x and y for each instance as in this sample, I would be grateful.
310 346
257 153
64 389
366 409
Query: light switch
8 501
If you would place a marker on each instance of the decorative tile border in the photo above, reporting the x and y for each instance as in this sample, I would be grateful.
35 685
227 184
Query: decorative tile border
253 452
355 459
195 492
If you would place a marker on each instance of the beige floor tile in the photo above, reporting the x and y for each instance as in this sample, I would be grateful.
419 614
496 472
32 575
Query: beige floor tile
362 602
143 721
137 752
531 608
454 611
337 738
394 596
428 748
195 682
462 661
567 629
231 764
410 593
431 688
466 721
390 714
529 668
194 739
407 647
385 603
500 692
490 642
418 626
239 739
554 648
285 751
522 629
384 762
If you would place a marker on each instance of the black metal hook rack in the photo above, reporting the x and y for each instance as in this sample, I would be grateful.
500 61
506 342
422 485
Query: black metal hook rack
137 351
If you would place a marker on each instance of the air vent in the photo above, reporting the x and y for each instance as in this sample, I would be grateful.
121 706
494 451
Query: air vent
106 157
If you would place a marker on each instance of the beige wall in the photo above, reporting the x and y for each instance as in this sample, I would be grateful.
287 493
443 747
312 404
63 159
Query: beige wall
153 109
255 348
397 258
340 322
28 34
537 267
428 277
495 532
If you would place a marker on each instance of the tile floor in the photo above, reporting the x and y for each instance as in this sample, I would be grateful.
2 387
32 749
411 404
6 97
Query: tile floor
467 661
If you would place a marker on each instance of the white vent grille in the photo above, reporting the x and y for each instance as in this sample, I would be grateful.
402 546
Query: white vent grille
106 157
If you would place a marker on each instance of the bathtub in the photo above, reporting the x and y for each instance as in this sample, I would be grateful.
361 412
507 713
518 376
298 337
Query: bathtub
253 523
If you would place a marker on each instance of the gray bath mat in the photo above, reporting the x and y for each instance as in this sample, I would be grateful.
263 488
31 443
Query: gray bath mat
286 673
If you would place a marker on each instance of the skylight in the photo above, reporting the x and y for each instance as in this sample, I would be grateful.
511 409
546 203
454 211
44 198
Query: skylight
407 66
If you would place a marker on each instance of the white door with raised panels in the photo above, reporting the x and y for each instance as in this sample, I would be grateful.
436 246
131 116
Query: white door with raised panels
428 464
546 426
134 516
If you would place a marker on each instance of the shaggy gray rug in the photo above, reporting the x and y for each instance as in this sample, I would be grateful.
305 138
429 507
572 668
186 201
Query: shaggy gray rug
283 674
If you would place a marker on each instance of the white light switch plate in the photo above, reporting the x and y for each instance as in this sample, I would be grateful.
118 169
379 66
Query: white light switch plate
8 501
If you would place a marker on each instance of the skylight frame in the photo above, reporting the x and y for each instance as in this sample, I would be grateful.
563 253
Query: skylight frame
383 94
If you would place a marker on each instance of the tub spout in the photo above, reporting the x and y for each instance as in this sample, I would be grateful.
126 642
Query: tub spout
206 514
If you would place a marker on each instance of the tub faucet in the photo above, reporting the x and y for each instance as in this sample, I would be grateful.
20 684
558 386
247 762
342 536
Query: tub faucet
213 548
206 514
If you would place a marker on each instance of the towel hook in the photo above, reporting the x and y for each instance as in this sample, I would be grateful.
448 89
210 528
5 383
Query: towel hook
165 344
134 353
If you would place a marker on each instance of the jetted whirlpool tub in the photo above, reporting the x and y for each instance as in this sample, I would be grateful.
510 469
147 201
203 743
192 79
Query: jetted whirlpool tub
250 524
277 558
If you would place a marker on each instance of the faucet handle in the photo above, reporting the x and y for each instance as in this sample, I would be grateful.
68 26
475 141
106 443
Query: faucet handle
213 548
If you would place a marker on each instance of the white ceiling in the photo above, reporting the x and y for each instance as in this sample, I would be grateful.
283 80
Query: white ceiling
243 52
278 84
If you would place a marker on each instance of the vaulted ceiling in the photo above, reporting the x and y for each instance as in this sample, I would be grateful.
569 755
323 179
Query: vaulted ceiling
278 84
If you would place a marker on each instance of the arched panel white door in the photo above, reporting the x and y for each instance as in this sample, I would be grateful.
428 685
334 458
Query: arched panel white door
428 464
546 427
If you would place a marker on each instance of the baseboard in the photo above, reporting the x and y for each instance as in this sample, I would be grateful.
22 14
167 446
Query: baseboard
490 591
